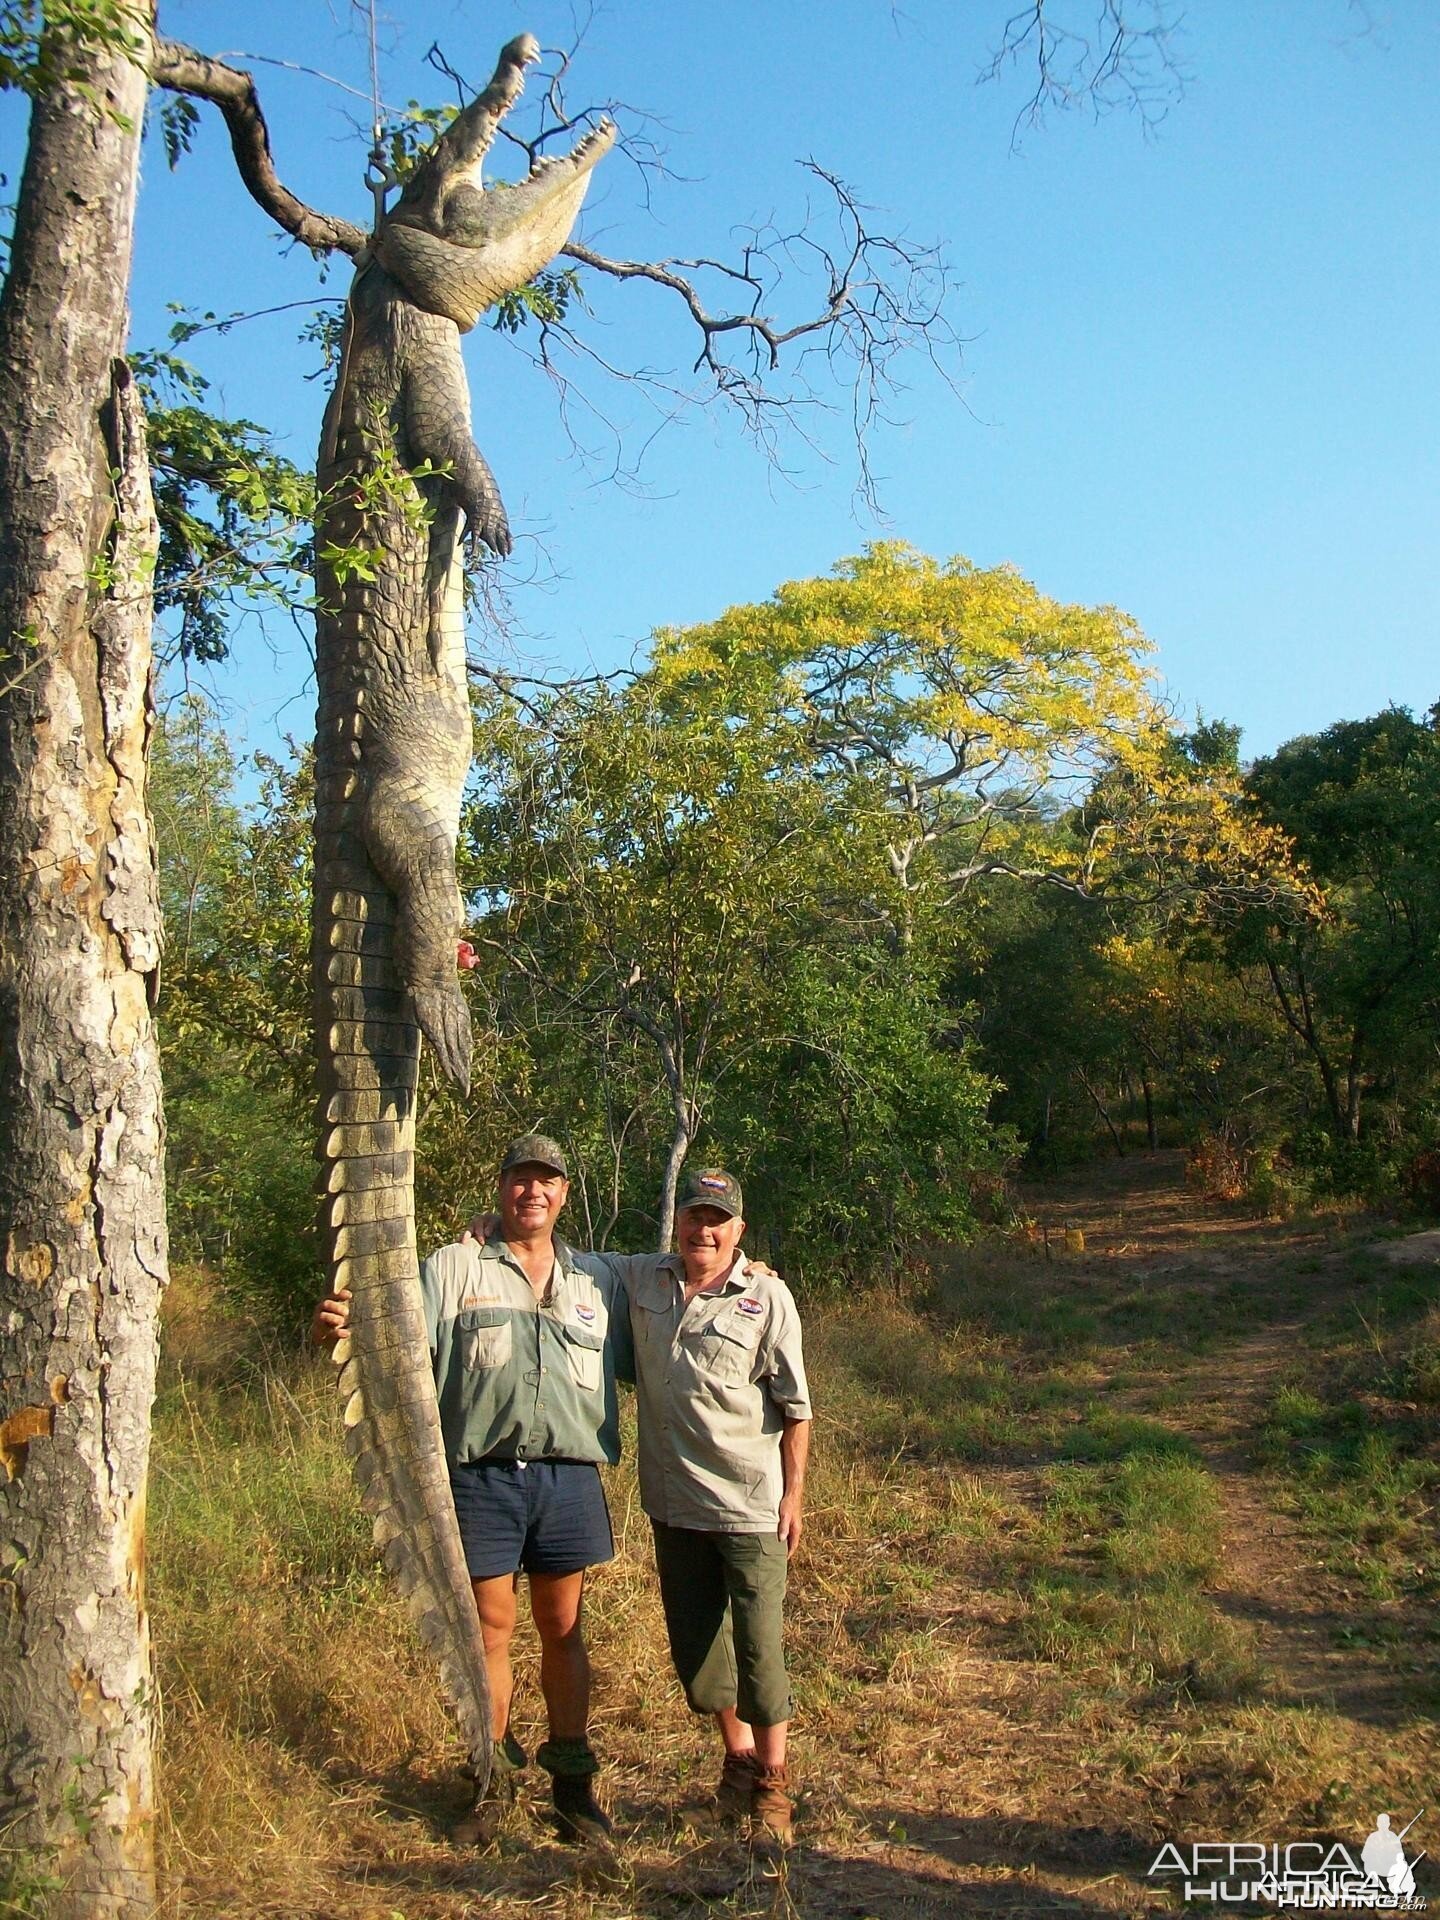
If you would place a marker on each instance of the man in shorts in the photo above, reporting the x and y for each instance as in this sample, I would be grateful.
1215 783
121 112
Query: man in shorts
724 1431
524 1334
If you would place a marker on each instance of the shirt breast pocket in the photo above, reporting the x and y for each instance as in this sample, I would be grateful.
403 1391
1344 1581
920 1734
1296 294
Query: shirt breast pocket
587 1356
650 1323
487 1339
726 1350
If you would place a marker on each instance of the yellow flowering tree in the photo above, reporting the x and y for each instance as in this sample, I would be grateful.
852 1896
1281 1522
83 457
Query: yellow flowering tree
969 713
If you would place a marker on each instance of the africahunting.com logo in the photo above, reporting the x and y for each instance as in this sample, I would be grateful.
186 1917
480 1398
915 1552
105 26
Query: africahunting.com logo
1302 1876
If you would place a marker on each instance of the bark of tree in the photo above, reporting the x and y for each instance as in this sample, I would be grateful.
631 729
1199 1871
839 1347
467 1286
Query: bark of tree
1152 1138
682 1113
1103 1111
82 1214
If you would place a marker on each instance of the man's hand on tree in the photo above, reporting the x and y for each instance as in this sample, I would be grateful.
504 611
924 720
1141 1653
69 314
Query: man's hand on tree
331 1317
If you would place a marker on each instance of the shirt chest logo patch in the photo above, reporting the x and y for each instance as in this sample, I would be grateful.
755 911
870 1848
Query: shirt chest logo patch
752 1307
587 1314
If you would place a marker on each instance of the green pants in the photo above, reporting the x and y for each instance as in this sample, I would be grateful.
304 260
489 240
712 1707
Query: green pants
724 1596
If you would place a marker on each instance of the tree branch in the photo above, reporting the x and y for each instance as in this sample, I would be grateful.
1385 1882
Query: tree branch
882 295
181 69
1119 61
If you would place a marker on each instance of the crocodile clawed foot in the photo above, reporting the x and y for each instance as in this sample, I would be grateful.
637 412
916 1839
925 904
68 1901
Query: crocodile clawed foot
444 1020
486 534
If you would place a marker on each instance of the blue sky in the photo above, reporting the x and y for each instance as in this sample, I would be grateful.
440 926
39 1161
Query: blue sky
1200 375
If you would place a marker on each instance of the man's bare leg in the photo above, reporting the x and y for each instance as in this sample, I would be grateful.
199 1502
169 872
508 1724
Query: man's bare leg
738 1737
766 1743
565 1681
564 1664
495 1602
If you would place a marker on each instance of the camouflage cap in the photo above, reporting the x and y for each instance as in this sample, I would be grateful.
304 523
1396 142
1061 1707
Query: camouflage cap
535 1149
711 1187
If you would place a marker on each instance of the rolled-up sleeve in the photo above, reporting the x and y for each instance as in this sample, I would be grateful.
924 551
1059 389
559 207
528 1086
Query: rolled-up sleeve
611 1273
783 1370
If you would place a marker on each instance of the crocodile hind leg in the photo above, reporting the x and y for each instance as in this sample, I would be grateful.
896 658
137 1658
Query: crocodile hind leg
413 851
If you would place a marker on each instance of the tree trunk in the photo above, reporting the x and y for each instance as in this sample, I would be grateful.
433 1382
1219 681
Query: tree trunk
1354 1090
670 1179
683 1115
82 1215
1103 1111
1152 1138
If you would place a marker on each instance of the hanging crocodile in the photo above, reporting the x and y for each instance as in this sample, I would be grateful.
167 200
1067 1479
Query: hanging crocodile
398 475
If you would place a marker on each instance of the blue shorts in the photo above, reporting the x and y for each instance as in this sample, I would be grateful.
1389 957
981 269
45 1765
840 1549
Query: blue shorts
545 1516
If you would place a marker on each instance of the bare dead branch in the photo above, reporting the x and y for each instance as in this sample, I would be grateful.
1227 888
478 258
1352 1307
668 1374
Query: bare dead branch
882 295
294 66
1127 58
181 69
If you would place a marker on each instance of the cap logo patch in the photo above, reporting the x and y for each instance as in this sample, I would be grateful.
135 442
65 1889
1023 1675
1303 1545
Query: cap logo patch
752 1306
712 1184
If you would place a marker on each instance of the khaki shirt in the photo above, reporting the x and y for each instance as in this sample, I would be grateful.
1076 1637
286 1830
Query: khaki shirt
517 1379
715 1382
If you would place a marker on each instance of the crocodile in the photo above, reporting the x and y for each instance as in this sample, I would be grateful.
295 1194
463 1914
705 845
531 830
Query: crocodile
400 480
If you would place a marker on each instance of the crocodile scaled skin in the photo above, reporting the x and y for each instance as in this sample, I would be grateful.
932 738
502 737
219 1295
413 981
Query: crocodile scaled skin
398 475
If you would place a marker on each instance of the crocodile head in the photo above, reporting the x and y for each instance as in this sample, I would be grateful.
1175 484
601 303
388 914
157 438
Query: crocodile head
457 246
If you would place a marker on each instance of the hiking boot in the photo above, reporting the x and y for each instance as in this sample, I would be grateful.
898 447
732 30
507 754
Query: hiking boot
772 1812
737 1783
479 1826
578 1814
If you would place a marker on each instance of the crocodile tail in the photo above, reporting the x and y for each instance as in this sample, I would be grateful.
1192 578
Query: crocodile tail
369 1053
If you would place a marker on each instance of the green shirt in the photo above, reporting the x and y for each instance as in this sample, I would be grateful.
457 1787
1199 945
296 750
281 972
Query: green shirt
519 1378
716 1381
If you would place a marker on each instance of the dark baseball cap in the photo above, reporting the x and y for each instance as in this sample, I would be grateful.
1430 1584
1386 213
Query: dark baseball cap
712 1187
537 1150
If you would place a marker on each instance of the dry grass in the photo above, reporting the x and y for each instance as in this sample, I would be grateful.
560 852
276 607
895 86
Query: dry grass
1022 1642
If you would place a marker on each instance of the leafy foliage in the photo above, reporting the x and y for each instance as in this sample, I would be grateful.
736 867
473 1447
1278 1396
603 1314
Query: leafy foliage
704 930
234 1013
1358 984
547 298
42 47
977 709
234 513
179 117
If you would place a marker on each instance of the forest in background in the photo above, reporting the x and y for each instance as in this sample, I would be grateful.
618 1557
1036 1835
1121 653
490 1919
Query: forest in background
879 892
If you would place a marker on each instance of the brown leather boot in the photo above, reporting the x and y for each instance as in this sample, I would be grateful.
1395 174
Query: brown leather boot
737 1782
772 1812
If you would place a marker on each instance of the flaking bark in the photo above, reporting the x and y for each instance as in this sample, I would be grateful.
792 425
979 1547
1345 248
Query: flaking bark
82 1216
